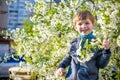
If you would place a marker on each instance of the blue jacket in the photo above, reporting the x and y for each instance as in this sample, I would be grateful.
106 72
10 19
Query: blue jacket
88 70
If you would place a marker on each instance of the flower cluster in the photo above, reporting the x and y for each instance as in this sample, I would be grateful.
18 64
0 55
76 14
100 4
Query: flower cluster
46 42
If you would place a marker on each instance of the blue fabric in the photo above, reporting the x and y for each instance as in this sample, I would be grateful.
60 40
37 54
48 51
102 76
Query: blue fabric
57 1
11 59
88 70
87 36
83 39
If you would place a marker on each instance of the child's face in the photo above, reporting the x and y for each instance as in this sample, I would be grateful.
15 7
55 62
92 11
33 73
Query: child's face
84 26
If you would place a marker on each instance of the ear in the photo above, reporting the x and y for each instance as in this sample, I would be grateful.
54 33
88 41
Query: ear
75 28
94 24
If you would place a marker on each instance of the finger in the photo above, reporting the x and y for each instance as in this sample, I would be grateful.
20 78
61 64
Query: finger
106 43
106 46
58 73
106 40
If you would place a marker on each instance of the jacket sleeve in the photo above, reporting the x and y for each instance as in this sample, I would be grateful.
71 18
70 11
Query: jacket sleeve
67 60
103 59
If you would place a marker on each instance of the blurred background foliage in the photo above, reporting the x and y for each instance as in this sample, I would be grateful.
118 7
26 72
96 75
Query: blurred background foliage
45 39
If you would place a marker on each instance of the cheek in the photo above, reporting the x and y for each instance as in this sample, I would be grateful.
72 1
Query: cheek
77 27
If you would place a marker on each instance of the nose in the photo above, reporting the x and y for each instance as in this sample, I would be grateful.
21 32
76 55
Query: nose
84 26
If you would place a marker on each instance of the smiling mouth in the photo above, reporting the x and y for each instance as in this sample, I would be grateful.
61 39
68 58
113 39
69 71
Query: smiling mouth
84 31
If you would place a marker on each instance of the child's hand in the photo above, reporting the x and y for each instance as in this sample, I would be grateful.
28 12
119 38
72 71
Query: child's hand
106 44
60 72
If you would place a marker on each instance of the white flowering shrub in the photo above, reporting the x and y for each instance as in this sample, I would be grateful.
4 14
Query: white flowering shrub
108 14
45 41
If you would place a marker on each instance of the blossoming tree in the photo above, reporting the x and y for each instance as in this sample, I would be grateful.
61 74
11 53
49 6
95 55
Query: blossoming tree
45 41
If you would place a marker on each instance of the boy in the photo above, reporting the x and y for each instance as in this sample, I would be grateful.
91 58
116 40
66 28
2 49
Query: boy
81 69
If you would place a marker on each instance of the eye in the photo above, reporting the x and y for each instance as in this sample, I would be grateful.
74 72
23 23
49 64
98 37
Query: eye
87 23
80 24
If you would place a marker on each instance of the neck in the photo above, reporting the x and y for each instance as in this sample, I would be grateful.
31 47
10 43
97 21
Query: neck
90 35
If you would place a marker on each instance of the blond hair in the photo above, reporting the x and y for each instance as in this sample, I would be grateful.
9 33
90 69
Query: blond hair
82 15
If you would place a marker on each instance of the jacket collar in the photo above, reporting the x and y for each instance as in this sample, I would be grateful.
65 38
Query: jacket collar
90 35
